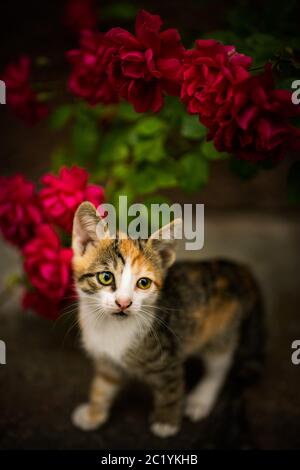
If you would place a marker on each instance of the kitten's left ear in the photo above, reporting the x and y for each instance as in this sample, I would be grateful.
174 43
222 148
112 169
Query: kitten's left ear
88 227
164 241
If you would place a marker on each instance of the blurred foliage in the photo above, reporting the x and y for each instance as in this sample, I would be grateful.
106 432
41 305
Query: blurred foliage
135 154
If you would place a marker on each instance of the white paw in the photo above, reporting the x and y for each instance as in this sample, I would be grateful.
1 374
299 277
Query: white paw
83 419
164 429
197 408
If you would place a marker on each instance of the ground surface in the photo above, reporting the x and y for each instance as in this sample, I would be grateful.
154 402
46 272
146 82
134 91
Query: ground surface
46 374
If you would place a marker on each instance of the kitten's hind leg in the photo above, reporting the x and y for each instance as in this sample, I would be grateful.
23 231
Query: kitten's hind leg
202 398
91 415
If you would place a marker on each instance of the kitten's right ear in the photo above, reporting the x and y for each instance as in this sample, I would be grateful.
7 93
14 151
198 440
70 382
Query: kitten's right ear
88 227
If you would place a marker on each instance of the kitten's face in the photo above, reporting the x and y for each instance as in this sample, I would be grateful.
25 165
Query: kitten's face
120 277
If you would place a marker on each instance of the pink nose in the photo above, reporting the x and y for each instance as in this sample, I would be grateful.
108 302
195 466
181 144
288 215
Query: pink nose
123 303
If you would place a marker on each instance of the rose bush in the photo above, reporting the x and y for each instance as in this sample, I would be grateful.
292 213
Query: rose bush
254 122
28 218
218 96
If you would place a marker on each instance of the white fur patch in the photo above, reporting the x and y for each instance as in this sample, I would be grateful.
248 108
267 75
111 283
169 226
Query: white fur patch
164 429
126 285
107 335
82 420
202 399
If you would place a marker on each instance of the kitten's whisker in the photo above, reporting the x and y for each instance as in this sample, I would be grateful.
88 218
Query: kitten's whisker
162 322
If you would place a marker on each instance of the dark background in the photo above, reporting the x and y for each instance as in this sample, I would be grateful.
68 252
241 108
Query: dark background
46 374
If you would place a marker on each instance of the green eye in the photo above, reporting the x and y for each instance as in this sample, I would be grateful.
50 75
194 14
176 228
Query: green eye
105 278
144 283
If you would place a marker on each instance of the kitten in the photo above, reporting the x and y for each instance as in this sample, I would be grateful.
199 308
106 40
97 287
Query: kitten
141 315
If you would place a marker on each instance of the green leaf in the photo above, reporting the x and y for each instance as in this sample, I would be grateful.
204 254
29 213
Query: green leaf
127 113
210 152
120 171
293 183
60 116
191 128
242 168
149 126
85 139
114 147
149 150
193 172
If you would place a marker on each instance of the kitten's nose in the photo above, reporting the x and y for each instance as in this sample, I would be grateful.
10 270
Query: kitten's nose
123 302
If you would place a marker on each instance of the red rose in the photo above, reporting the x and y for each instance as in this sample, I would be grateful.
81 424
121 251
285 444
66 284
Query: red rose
62 194
254 123
48 264
20 211
42 305
147 65
89 78
208 72
20 97
80 14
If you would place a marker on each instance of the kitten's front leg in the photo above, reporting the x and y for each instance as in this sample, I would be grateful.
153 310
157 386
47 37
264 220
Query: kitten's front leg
91 415
168 399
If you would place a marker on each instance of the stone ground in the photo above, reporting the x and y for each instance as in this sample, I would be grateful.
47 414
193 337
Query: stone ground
47 374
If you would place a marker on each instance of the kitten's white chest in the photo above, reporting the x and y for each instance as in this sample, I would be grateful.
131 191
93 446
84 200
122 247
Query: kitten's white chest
108 336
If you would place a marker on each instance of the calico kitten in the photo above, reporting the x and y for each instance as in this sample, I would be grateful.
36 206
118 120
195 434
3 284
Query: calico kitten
141 314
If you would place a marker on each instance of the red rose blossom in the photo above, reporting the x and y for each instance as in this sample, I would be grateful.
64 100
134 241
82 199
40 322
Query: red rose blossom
20 97
254 122
62 194
20 211
147 64
89 78
208 72
48 264
80 14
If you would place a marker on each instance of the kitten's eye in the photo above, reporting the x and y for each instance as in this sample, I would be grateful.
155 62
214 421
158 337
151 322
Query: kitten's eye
105 278
144 283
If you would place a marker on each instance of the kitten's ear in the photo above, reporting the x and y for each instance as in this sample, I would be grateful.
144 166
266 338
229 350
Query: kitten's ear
88 227
164 241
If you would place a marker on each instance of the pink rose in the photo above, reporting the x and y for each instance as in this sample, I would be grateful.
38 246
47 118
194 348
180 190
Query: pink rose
254 123
147 64
48 264
208 73
62 194
20 210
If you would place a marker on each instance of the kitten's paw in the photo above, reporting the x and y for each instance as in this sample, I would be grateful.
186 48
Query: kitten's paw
164 429
197 408
86 419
